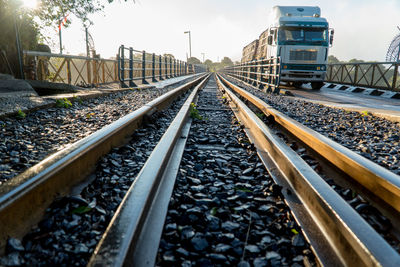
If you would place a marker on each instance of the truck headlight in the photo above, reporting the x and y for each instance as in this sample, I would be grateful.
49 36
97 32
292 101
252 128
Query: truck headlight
323 68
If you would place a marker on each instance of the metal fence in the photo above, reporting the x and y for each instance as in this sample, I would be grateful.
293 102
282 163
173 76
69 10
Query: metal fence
263 73
381 75
75 70
130 66
134 66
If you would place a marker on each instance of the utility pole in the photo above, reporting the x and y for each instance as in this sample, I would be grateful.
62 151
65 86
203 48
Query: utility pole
190 43
203 56
59 34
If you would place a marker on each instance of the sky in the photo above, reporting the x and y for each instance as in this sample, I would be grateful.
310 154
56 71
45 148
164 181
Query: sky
364 29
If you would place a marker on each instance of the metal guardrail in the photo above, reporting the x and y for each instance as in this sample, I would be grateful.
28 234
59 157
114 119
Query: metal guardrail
90 72
380 75
142 66
263 73
75 70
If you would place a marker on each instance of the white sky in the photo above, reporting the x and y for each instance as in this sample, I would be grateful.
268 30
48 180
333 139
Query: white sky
363 28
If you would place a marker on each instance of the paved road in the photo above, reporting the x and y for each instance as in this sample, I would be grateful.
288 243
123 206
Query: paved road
377 105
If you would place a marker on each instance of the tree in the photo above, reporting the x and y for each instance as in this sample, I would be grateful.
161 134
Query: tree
11 12
169 55
332 59
193 60
226 62
209 64
354 60
49 12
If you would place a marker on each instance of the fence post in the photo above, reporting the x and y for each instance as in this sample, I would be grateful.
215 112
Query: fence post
153 64
69 70
176 68
341 74
277 74
103 70
166 68
160 68
144 68
262 74
131 83
116 69
89 77
396 69
373 74
170 68
94 72
355 74
122 66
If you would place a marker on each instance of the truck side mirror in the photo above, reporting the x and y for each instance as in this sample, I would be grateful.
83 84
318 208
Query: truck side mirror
270 38
332 32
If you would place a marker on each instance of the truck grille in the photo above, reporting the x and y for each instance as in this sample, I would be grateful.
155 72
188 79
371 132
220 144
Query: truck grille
306 55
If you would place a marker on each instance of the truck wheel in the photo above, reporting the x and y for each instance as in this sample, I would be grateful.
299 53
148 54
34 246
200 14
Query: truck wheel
317 85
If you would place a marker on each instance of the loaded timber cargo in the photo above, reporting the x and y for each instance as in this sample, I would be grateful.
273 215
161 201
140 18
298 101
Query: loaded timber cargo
301 38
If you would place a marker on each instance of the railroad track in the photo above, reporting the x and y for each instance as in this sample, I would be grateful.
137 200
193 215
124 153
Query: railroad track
337 233
24 198
352 240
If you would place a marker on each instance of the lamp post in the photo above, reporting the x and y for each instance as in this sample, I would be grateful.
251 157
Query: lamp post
190 43
203 56
87 24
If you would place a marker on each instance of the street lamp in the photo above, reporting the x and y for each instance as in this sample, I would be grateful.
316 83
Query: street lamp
190 43
87 24
203 56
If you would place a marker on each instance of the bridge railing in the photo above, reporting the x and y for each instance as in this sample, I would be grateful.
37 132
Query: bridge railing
139 66
381 75
263 73
74 70
89 72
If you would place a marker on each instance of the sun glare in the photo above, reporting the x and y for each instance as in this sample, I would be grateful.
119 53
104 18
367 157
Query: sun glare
30 3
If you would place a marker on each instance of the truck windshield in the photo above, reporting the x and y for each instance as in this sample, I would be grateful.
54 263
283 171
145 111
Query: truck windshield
303 35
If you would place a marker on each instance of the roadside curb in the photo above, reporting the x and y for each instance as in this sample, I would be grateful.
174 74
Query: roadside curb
363 90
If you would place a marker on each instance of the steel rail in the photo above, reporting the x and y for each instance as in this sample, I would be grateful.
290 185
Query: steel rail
24 198
380 185
336 229
133 236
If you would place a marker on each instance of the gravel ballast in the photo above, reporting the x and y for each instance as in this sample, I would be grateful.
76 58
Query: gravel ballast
225 208
73 225
372 137
27 141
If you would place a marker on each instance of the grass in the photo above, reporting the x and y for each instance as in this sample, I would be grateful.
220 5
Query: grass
89 115
21 114
260 115
63 103
364 113
194 112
